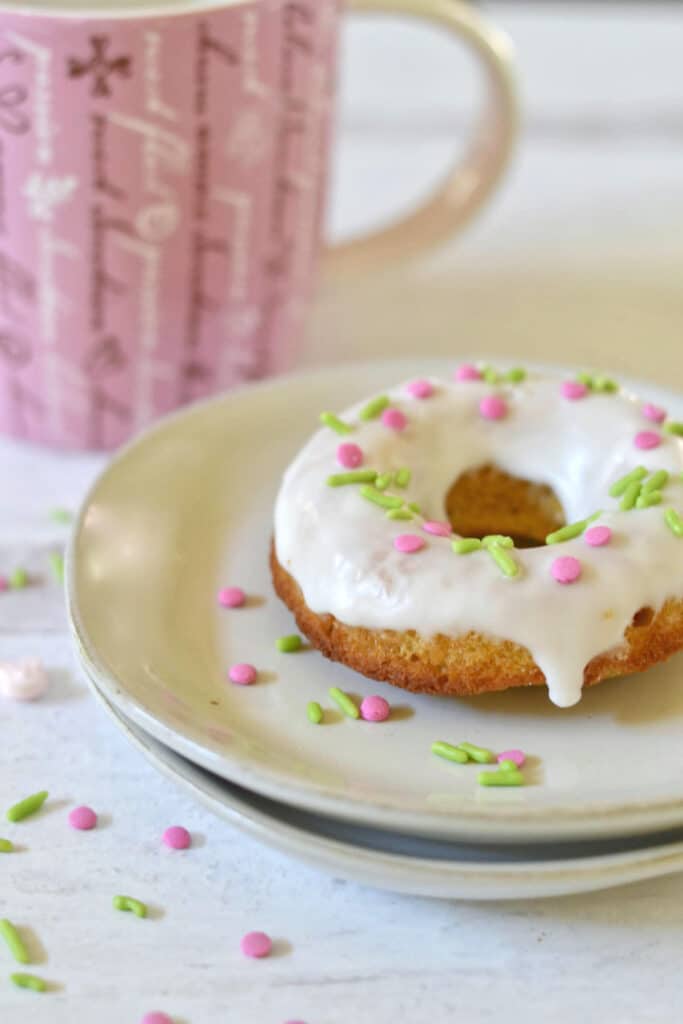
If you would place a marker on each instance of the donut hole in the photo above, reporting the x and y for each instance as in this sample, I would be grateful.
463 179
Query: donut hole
643 617
488 500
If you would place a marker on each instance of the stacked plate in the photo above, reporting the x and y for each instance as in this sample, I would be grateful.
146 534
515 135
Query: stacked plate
187 509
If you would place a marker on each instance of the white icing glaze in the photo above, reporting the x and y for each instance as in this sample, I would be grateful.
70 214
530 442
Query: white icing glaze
339 547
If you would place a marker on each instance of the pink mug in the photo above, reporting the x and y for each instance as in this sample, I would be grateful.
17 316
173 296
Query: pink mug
162 184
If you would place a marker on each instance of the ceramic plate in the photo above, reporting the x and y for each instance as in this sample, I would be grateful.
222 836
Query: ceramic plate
404 863
188 508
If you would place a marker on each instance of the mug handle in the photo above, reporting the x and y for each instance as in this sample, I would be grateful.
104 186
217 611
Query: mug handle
473 179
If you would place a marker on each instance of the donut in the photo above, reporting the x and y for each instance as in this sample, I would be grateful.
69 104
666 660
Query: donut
495 530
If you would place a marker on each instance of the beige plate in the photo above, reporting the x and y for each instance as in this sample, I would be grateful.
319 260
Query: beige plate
187 508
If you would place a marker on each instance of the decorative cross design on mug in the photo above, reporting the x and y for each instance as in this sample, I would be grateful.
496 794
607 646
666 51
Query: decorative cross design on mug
100 66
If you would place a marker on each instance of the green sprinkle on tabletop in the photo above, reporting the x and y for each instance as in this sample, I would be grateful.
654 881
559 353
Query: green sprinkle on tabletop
6 846
619 486
14 942
497 538
449 752
61 515
344 702
649 499
288 644
57 566
503 560
466 545
314 712
479 754
18 579
674 428
375 408
28 806
605 384
383 500
30 981
656 481
402 477
674 522
383 481
399 513
631 495
354 476
516 375
501 778
328 419
129 905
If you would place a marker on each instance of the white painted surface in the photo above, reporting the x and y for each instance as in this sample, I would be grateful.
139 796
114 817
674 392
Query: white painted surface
582 254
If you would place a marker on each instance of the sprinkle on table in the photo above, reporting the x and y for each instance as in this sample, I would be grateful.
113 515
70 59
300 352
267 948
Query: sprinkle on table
328 419
6 846
242 674
14 942
231 597
375 407
288 644
129 905
314 712
374 709
83 819
449 753
25 808
256 945
156 1017
176 837
61 515
482 755
30 981
517 757
502 777
18 579
344 702
57 565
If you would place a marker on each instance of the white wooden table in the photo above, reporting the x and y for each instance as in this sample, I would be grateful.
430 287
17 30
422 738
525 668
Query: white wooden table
580 256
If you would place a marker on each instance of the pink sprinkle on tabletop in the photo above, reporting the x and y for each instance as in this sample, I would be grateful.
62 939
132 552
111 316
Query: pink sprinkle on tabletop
231 597
82 818
420 388
394 419
566 569
598 536
572 390
177 838
242 674
256 944
408 543
350 456
4 583
654 413
436 528
518 756
374 709
493 407
156 1017
647 439
25 679
467 372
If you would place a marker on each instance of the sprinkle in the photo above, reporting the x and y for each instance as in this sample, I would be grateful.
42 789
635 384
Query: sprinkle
516 375
30 981
649 499
598 536
356 476
375 408
566 569
288 644
256 945
497 538
394 419
605 384
14 942
503 560
27 807
466 545
506 765
656 481
177 838
493 407
18 579
501 778
517 757
242 674
6 846
23 680
479 754
490 375
314 712
4 583
630 497
585 378
231 597
57 565
343 701
653 412
420 388
414 507
647 439
620 485
674 428
449 752
399 513
436 528
467 372
129 905
383 500
383 481
573 390
350 456
82 818
402 477
570 531
61 515
374 709
409 543
674 521
156 1017
328 419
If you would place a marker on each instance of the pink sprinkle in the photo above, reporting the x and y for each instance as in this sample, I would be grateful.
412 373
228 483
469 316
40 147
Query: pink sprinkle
231 597
4 583
573 390
408 543
566 569
493 407
467 372
156 1017
177 838
436 528
597 536
394 419
375 709
654 413
256 944
82 818
25 679
420 388
647 439
242 674
350 456
518 756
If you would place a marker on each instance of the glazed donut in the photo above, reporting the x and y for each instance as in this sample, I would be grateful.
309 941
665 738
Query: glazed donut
491 531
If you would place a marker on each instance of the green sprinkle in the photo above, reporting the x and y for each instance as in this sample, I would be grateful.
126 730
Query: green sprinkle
497 538
414 507
61 515
354 476
328 419
605 384
14 942
490 375
27 807
399 513
129 905
506 778
6 846
383 481
620 485
57 565
674 521
314 712
631 495
288 644
649 499
28 981
383 500
508 766
572 530
503 560
479 754
516 375
585 378
656 481
344 702
466 545
18 579
402 477
375 408
674 428
449 752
